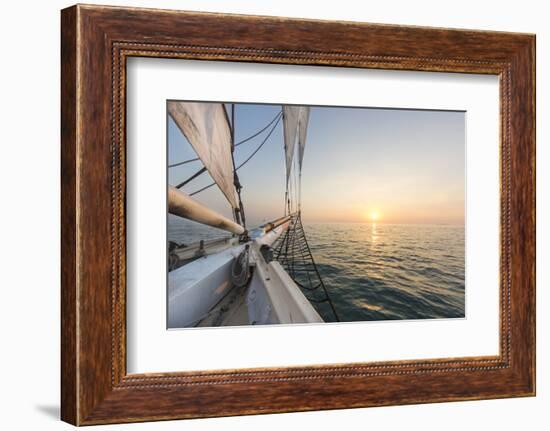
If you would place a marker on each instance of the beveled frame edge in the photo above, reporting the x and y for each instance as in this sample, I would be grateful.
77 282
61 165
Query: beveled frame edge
96 41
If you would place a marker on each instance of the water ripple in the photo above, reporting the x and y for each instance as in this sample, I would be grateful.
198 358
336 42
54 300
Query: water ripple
377 272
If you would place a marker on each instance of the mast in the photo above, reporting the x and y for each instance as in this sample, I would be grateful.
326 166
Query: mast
239 211
236 210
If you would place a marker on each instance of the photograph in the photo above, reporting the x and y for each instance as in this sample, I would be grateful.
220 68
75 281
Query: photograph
299 214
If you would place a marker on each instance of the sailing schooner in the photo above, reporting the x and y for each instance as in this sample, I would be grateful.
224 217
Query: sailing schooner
263 276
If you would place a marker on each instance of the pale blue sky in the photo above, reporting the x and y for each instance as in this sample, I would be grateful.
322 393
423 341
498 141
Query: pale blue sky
407 166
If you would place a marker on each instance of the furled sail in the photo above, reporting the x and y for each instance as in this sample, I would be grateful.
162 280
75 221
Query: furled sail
295 129
206 127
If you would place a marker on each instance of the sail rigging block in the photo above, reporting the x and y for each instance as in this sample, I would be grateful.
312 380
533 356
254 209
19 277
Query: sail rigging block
206 127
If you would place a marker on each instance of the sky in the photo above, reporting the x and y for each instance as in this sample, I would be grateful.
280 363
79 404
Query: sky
360 165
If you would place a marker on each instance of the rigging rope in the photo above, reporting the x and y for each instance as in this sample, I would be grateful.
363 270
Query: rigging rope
191 178
294 254
259 132
247 160
240 268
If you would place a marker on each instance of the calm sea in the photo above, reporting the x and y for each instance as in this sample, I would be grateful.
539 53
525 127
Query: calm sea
390 271
378 271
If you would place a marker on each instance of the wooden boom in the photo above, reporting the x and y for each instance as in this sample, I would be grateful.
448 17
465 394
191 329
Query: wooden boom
276 223
183 205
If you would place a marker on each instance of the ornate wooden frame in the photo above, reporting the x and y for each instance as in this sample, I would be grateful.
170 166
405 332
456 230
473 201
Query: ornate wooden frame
95 42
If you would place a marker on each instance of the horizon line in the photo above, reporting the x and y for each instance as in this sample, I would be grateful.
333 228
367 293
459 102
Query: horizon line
384 222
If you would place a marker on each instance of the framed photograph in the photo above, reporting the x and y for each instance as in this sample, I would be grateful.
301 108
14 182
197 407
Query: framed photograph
267 215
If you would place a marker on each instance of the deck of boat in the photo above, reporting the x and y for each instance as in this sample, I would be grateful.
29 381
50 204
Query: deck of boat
270 296
232 310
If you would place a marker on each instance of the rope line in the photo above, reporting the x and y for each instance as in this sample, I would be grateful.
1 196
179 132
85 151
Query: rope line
191 178
292 251
259 132
247 160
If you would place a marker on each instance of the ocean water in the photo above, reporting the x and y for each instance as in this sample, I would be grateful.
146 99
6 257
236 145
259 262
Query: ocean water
187 232
377 271
390 271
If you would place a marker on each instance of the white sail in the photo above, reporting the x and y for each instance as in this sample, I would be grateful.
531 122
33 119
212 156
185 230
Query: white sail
295 120
303 121
290 125
206 127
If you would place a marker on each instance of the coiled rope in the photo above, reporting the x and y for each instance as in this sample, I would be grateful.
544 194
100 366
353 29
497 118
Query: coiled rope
240 268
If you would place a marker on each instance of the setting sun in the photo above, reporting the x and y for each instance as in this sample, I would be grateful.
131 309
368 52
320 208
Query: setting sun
371 215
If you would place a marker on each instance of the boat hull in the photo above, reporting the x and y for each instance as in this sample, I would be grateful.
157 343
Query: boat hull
273 297
201 293
194 289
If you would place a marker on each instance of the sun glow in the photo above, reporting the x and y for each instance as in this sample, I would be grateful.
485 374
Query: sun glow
372 215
